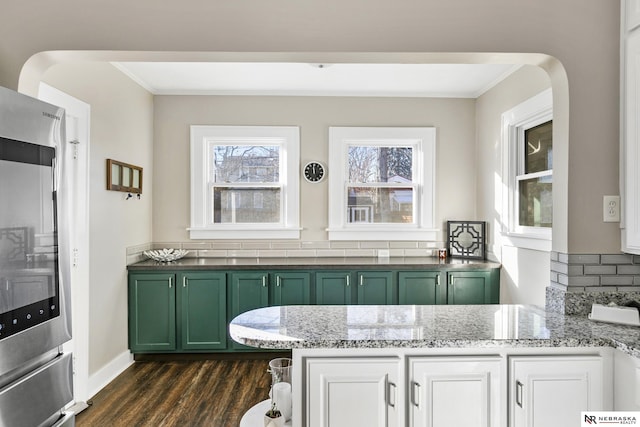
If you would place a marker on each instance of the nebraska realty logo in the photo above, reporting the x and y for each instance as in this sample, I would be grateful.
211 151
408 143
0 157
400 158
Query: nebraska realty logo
608 418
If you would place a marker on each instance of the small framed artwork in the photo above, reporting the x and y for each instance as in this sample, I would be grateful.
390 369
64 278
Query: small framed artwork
466 239
124 177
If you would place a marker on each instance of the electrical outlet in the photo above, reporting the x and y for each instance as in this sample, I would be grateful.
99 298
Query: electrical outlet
611 209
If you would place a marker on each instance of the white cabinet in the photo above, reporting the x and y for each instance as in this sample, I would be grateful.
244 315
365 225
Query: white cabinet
349 392
630 125
631 14
455 391
553 390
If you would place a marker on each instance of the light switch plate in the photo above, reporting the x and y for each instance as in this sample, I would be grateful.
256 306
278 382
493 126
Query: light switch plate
611 208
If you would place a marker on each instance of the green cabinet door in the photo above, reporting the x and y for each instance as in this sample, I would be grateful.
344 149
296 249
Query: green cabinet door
334 288
291 288
202 305
375 288
152 312
420 287
248 291
473 287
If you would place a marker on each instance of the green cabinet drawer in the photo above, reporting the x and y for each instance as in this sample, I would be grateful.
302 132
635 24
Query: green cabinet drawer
421 287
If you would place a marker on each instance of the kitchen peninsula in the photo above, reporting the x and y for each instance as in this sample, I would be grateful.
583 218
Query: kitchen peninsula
481 365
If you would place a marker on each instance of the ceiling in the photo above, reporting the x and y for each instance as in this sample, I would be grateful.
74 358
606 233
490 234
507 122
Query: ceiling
303 79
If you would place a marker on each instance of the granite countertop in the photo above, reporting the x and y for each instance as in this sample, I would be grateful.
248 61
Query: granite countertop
405 263
426 326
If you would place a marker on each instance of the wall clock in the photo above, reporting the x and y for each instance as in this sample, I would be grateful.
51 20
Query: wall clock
314 172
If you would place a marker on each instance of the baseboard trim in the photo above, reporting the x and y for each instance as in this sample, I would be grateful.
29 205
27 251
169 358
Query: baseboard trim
109 372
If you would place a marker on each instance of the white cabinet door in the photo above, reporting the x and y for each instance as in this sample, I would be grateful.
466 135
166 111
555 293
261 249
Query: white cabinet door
553 390
631 146
350 392
455 392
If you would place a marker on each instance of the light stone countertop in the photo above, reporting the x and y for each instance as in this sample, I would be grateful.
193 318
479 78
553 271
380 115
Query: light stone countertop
425 326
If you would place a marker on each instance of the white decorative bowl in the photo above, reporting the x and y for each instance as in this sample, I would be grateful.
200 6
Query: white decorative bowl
166 254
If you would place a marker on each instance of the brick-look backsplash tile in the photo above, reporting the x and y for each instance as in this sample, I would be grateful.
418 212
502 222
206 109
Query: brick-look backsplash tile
578 280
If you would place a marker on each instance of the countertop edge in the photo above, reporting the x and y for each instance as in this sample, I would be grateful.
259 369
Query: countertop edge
318 263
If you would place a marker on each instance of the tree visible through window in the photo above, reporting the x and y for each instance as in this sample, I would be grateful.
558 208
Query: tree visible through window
382 183
245 182
246 186
380 188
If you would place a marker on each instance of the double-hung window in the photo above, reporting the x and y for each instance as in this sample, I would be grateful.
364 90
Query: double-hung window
244 182
528 172
382 183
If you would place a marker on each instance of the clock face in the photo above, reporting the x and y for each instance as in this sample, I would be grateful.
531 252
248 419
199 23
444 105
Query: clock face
314 172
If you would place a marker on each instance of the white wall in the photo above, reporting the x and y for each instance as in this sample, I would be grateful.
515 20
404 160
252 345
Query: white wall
121 129
525 273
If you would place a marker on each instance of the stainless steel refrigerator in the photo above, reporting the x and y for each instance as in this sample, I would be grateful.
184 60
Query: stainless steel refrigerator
35 373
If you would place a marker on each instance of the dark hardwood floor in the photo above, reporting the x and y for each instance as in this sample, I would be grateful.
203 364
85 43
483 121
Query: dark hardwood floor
186 393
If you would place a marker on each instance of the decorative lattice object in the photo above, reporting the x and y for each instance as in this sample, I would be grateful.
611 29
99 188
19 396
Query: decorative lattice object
466 239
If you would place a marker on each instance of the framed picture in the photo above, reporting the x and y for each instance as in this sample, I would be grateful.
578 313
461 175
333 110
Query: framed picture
124 177
466 239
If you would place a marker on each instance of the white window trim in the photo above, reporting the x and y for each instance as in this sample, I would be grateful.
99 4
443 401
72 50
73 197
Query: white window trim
289 138
424 139
530 113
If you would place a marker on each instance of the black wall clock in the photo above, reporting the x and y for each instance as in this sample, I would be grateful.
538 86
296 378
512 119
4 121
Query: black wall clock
314 172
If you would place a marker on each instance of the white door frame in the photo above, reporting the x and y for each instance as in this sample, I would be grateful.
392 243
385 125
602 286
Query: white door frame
78 114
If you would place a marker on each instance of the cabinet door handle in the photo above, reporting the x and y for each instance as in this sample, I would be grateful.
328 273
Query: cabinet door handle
264 281
451 280
519 389
391 394
277 280
170 284
361 280
184 282
438 280
415 394
347 280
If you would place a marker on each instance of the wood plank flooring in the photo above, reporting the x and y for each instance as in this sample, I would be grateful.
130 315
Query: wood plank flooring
186 393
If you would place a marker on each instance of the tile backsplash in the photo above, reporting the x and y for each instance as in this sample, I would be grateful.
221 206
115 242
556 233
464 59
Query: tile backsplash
579 280
291 249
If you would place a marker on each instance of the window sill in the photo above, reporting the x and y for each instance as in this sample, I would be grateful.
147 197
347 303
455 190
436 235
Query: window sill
372 233
244 233
527 241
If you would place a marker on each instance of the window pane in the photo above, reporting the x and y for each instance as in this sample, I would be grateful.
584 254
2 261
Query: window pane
246 205
380 205
380 164
536 203
246 163
538 148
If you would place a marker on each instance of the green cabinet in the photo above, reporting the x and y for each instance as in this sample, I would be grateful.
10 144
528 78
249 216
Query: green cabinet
375 288
177 312
202 303
152 312
449 287
421 287
291 288
189 311
473 287
251 290
334 287
369 287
